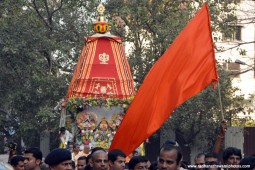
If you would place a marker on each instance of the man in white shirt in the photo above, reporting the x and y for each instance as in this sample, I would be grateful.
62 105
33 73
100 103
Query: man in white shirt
65 137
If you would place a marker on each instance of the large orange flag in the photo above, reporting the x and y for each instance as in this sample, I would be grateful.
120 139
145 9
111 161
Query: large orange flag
186 68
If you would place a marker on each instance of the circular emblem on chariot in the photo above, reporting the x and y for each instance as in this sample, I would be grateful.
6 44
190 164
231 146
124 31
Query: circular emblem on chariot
100 9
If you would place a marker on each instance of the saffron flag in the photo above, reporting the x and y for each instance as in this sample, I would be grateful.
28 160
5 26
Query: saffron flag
186 68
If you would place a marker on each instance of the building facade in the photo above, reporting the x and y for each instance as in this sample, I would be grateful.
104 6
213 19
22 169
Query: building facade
237 52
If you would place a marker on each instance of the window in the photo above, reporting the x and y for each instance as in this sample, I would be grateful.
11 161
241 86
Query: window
233 69
234 33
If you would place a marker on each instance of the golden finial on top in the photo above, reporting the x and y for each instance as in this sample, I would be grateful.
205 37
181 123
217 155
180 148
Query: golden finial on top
101 26
100 10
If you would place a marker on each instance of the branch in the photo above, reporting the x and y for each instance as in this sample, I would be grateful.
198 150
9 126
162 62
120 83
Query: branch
194 133
48 14
60 6
238 73
47 7
48 57
235 46
39 14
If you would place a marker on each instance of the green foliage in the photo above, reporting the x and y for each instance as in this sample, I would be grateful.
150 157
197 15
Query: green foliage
244 122
247 120
40 42
74 104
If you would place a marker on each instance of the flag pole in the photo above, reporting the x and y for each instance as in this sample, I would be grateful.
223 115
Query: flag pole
221 107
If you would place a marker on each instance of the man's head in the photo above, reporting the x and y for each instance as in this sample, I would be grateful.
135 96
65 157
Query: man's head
116 159
211 158
62 130
70 147
135 153
138 162
33 158
199 159
59 159
86 149
250 161
169 157
88 162
97 149
81 163
88 159
17 162
76 148
99 160
232 156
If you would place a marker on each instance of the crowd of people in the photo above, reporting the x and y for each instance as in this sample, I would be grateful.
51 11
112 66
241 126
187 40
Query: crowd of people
231 159
170 157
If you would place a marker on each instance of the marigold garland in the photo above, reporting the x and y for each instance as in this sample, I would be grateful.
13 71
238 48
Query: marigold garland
74 103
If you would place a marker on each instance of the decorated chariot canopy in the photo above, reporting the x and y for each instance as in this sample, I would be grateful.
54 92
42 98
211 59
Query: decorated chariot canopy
101 87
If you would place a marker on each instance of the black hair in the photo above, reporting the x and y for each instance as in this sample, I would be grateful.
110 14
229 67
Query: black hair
171 142
212 155
70 143
37 153
184 164
75 146
199 155
96 149
169 147
153 165
87 159
15 160
88 167
135 160
113 155
212 163
231 151
82 158
73 164
134 152
62 129
248 161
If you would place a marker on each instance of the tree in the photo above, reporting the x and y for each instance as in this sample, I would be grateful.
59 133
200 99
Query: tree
40 42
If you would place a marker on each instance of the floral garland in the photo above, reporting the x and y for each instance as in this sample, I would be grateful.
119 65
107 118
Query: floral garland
74 103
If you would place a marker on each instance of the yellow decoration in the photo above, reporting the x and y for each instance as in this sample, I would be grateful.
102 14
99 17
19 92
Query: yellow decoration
101 27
